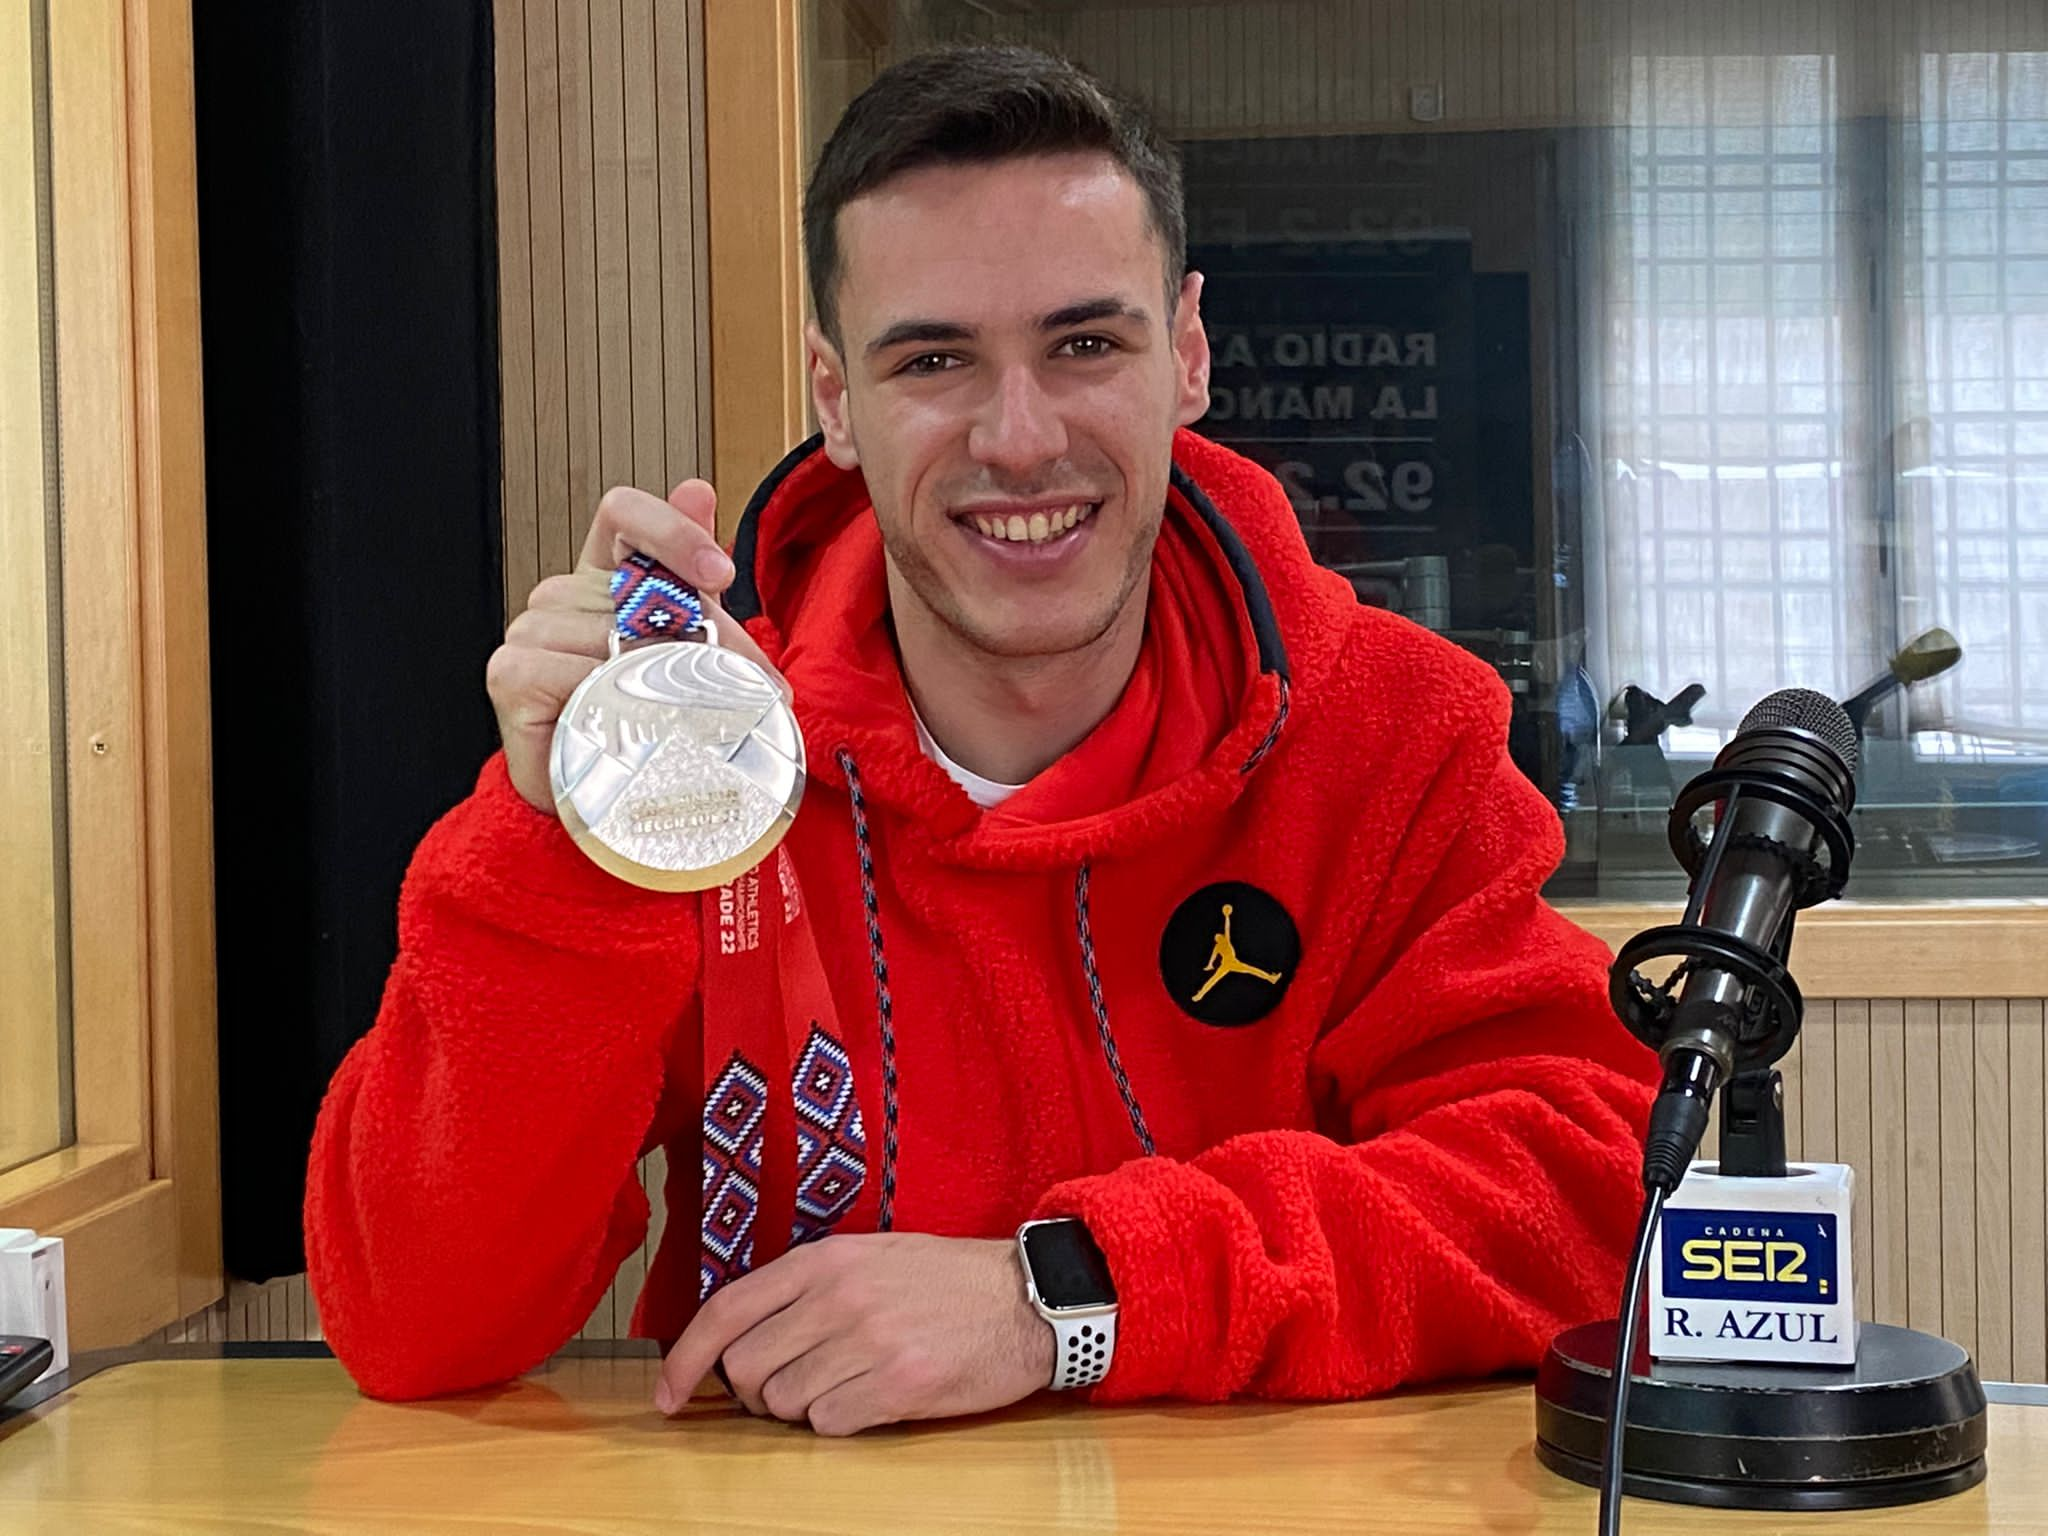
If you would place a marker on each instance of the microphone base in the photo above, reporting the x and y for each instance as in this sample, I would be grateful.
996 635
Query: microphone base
1904 1424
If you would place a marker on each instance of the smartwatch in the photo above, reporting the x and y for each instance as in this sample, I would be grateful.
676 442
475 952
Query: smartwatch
1067 1281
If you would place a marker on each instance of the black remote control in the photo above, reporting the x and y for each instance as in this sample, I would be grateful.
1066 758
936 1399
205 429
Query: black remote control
22 1360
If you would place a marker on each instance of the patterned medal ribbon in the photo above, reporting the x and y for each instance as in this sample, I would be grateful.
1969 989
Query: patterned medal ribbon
651 602
782 1149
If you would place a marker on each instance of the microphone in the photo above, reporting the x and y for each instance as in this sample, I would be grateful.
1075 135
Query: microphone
1928 654
1759 1387
1779 796
1646 717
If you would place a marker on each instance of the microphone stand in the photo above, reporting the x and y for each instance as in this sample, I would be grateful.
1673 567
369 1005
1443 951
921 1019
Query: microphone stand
1753 1125
1905 1423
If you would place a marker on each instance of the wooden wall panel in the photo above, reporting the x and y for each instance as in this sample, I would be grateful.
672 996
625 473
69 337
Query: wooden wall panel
1886 1173
277 1309
545 423
580 211
519 494
2027 1181
603 330
1957 1233
1993 1194
753 83
685 240
1922 1117
1850 1026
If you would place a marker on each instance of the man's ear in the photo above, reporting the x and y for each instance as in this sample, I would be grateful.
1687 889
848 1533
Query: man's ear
828 395
1190 353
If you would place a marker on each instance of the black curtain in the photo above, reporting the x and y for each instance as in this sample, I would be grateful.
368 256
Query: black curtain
348 283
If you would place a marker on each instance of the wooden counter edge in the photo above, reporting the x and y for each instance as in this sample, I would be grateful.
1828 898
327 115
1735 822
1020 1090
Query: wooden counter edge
1885 949
25 1405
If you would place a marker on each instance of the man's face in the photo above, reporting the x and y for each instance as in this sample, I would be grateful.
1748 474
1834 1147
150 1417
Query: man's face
1009 385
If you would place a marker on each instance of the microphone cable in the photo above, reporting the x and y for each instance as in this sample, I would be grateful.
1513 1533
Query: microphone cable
1624 1362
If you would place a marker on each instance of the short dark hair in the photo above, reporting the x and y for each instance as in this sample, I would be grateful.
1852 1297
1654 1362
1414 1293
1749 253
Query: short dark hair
982 103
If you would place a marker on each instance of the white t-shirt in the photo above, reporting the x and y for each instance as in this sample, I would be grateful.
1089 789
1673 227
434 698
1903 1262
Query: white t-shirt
986 793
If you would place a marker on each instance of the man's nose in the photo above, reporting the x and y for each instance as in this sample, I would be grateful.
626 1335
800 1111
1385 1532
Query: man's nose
1018 428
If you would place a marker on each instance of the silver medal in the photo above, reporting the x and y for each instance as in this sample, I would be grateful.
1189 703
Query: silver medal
677 765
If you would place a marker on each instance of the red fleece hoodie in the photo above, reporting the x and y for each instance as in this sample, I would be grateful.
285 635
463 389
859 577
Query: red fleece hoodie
1397 1131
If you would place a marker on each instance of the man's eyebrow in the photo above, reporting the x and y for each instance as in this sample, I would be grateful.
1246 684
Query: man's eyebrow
932 331
1090 310
945 332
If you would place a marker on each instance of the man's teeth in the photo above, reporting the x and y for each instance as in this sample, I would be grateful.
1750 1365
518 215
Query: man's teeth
1036 528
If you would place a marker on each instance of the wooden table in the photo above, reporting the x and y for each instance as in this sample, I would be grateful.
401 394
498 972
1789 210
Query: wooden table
188 1442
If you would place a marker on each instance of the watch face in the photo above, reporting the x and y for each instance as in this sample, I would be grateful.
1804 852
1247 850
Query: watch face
1067 1267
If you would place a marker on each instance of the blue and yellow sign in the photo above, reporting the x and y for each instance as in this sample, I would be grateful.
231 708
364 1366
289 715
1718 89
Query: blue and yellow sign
1750 1256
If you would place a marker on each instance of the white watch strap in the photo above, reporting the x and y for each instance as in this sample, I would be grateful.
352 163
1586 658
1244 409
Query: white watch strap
1082 1347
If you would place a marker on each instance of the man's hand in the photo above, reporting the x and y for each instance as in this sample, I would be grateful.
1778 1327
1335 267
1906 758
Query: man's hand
864 1329
566 628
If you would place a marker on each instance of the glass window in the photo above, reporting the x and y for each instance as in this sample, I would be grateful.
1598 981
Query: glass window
1662 355
35 1048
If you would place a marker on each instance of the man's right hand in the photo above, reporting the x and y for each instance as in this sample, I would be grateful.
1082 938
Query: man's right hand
566 628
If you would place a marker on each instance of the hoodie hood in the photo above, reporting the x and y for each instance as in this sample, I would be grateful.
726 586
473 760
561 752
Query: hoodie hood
1218 671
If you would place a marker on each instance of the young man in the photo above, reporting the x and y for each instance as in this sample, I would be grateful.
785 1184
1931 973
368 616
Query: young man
1158 886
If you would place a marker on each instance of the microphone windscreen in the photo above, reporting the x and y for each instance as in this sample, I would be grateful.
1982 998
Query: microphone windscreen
1804 709
1926 655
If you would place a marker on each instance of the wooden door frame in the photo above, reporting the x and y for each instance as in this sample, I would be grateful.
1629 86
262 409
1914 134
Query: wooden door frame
137 1196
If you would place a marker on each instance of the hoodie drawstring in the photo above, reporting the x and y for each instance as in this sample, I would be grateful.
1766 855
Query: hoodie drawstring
1109 1051
1273 735
885 1011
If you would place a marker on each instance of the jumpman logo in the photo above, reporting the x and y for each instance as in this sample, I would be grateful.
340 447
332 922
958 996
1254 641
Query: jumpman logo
1223 962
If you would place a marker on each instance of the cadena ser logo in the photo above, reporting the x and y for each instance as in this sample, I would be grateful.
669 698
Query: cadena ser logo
1753 1256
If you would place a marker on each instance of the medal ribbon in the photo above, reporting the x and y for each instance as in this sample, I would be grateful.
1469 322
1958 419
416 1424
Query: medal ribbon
781 1145
651 602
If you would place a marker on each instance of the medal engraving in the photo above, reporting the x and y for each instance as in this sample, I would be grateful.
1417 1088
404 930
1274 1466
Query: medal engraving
677 766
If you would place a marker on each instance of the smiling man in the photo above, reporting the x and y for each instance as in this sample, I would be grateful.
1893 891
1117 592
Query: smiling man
1166 903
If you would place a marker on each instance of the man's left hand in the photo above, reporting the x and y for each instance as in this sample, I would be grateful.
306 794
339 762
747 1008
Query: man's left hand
864 1329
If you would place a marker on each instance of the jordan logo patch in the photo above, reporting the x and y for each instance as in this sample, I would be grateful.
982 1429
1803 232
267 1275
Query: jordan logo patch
1228 953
